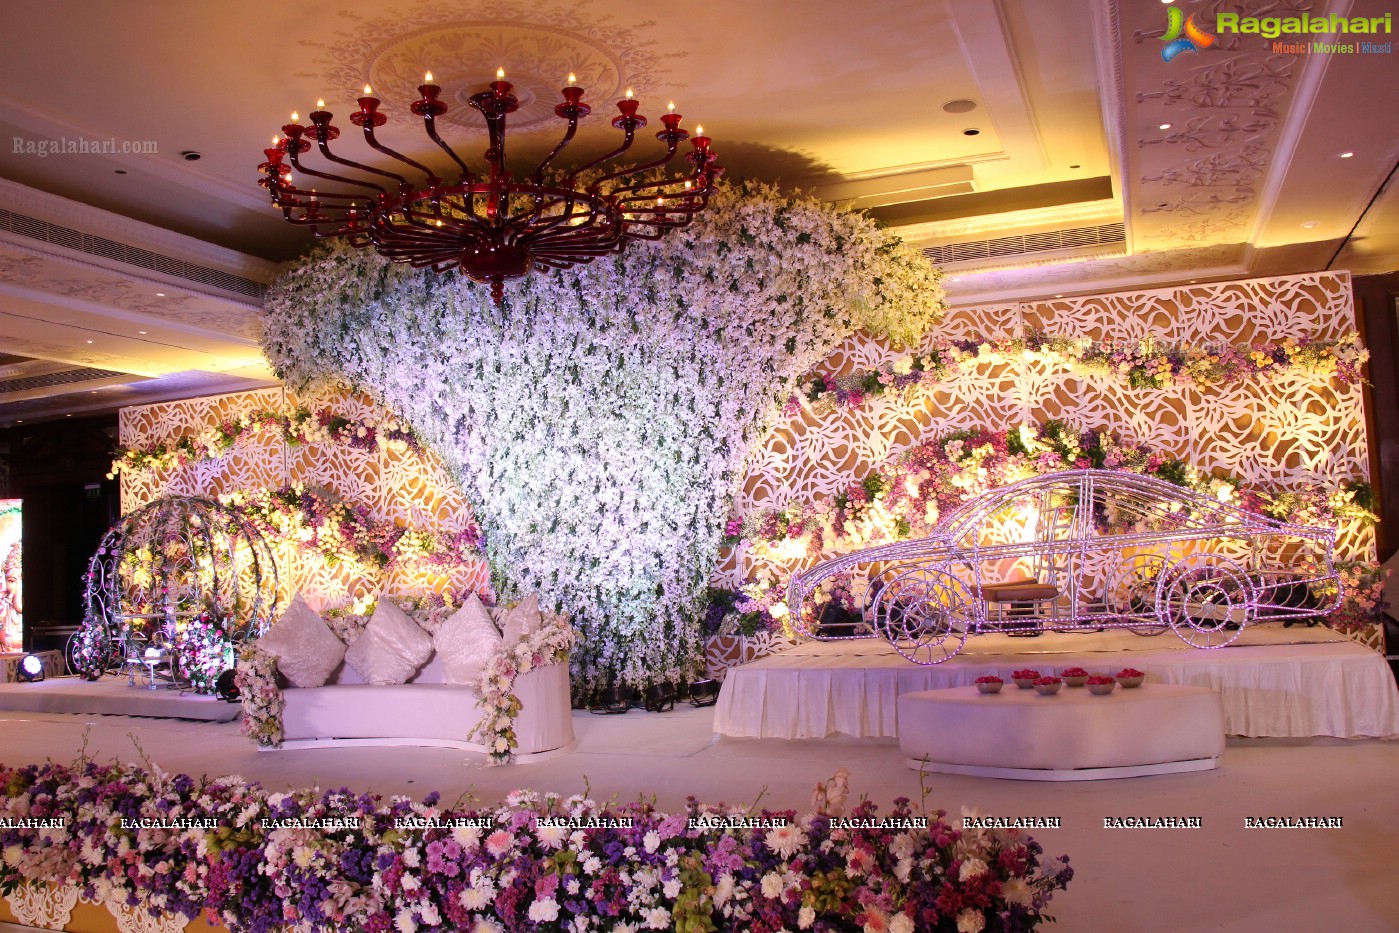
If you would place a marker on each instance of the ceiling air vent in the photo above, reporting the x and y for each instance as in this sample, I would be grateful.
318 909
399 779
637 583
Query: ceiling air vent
76 240
49 380
1020 245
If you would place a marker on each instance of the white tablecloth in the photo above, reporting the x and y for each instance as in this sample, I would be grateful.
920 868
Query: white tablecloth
1315 688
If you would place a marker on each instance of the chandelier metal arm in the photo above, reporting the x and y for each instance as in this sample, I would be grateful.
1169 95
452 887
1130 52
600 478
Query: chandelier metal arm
374 143
538 176
330 176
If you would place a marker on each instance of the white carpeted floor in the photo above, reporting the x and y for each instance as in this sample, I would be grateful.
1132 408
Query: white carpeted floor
1219 877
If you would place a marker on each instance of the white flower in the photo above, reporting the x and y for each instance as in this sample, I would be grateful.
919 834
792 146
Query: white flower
785 840
1016 891
658 918
772 885
970 921
404 921
901 923
805 918
477 898
544 910
970 869
651 841
551 836
486 925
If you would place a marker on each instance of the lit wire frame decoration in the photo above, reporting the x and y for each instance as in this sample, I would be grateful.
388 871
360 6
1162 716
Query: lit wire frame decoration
1083 550
492 226
183 578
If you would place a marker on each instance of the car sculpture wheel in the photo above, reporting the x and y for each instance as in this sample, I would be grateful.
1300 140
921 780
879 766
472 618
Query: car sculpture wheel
1208 602
1131 593
926 613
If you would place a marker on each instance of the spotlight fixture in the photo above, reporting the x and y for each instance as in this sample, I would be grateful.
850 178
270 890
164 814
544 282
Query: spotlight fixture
227 687
613 700
493 225
660 698
704 693
31 669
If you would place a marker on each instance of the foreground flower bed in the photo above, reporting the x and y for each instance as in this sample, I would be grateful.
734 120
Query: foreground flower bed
257 860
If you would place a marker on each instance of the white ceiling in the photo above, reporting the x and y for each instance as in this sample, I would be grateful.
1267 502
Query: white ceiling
844 99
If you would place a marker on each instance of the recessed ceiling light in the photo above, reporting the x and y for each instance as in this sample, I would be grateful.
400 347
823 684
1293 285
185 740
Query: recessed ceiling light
1164 126
89 341
1347 155
971 131
960 105
189 155
68 415
119 171
1075 165
141 332
1058 296
160 294
1309 224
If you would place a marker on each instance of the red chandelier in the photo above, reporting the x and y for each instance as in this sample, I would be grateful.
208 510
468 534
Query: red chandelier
491 226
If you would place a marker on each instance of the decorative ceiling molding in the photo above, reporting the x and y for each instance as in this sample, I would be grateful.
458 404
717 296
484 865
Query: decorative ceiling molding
25 200
462 46
970 228
984 36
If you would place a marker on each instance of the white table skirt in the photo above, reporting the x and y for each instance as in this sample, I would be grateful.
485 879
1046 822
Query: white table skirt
1320 688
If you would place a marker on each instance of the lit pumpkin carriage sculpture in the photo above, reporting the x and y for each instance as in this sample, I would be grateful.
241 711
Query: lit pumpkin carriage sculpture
173 590
1084 550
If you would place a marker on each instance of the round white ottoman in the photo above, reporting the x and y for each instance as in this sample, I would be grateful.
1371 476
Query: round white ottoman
1069 736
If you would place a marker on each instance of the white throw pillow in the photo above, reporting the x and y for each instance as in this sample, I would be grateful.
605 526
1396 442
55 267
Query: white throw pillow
306 650
391 648
466 642
521 620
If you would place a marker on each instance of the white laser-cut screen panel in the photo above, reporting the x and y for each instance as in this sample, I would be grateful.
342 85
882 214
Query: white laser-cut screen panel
1290 433
405 487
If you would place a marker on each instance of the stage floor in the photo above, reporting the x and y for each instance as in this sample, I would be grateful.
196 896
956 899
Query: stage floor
1280 682
112 696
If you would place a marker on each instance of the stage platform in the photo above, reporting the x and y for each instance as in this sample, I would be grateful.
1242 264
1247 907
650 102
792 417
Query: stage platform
112 696
1274 681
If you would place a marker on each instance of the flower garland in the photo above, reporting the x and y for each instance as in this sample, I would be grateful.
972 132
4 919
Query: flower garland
320 861
317 520
295 426
1145 362
256 678
548 644
906 496
600 419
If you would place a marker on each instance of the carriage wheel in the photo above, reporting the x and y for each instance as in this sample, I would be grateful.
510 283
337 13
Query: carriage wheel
1208 604
88 660
925 613
1131 593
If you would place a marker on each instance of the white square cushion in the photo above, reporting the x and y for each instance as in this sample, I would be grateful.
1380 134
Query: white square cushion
466 642
306 650
391 648
521 619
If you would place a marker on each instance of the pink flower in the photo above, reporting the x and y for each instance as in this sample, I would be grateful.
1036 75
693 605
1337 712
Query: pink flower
499 842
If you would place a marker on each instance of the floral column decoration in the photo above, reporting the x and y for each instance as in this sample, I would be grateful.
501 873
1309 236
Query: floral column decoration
600 419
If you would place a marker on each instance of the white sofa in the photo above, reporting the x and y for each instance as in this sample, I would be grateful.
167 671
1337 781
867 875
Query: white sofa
426 711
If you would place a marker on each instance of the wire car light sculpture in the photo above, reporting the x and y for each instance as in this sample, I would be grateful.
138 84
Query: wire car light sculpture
172 591
1084 550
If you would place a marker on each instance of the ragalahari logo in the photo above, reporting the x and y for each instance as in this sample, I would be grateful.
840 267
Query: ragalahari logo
1182 35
